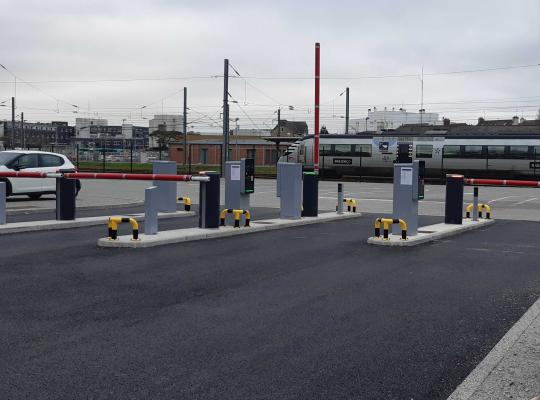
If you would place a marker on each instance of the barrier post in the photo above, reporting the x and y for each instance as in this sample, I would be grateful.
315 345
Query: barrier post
151 196
475 204
209 202
2 203
167 190
453 207
66 191
340 198
290 190
310 194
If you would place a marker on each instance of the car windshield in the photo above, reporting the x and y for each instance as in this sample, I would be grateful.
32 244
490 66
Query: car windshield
6 158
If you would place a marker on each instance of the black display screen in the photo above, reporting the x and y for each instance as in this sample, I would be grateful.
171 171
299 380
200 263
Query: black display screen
249 178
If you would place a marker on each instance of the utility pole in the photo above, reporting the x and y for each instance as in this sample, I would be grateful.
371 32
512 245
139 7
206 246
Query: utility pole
12 121
225 152
185 126
22 130
347 111
279 121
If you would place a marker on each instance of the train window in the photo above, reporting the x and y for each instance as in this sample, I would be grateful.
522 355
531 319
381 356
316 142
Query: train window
424 151
452 151
343 150
365 150
495 151
325 149
362 150
536 152
473 152
518 152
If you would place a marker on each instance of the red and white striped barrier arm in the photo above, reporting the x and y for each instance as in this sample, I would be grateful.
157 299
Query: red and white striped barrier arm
104 175
501 182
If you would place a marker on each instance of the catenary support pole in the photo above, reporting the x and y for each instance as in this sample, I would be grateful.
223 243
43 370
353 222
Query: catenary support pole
22 130
225 152
12 141
347 111
317 100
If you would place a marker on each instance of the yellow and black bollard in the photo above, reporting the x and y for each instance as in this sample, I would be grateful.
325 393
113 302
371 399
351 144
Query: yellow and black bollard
481 208
387 222
187 202
237 214
351 204
113 227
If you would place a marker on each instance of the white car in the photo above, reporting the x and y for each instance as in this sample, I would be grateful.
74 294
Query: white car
32 161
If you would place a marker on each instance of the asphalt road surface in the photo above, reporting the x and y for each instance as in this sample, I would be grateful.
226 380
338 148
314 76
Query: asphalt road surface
305 313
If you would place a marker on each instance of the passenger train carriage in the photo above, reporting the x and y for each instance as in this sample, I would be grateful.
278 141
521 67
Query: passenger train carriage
473 156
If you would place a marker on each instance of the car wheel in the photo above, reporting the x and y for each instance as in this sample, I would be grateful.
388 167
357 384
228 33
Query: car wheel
35 196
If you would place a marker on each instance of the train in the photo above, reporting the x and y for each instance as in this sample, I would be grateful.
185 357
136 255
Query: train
361 155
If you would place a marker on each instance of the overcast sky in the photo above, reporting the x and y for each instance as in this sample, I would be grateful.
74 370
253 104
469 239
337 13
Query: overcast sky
110 58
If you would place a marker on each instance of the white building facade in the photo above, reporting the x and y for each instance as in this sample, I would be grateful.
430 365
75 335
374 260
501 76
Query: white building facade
83 126
167 122
377 120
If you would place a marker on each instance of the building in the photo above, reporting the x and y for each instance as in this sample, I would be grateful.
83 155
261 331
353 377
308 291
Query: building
84 126
37 134
290 128
207 150
164 123
378 120
114 136
250 132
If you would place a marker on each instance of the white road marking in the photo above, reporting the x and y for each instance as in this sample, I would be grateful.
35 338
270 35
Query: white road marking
526 201
501 198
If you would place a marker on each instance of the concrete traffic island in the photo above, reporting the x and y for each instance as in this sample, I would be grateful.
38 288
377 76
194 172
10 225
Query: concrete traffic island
191 234
49 225
430 233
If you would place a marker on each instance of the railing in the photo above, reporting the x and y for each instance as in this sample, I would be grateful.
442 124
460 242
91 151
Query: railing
387 222
113 227
237 214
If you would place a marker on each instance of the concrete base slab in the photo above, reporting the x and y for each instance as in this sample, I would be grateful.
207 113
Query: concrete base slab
191 234
431 232
32 226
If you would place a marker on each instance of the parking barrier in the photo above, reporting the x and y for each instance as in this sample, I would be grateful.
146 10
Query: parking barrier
113 227
187 202
351 204
481 207
237 214
387 222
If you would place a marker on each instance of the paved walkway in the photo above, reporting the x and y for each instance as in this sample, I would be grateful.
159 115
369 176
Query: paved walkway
512 369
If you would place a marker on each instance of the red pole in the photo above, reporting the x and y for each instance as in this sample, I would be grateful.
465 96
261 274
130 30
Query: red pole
317 99
105 175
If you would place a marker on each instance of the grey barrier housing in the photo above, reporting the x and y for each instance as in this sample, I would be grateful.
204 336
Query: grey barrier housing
151 195
209 201
453 207
2 203
239 184
310 194
166 197
408 189
289 190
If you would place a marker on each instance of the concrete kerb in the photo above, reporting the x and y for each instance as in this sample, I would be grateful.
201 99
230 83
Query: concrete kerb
192 234
492 377
431 232
33 226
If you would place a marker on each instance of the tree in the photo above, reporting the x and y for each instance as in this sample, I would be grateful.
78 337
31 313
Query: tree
163 138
